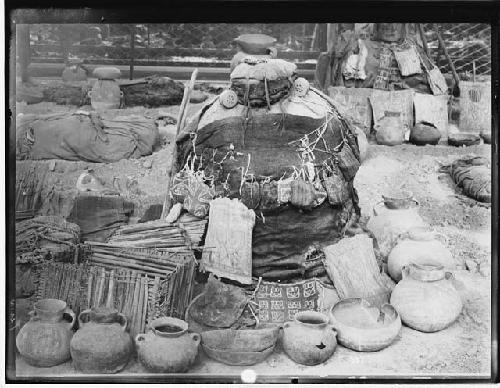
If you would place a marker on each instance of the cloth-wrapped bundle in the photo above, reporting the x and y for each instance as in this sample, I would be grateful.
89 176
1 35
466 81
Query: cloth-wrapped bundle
254 154
473 175
261 82
84 136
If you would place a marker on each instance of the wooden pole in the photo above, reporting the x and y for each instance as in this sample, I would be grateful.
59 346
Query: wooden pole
331 36
23 50
450 62
424 39
167 203
474 70
132 53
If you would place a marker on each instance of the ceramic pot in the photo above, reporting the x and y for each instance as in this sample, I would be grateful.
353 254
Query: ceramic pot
364 327
102 344
420 247
426 299
309 339
422 134
45 339
105 94
167 347
390 131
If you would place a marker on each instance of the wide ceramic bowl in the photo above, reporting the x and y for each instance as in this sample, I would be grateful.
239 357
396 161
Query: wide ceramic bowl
463 139
363 327
241 340
232 357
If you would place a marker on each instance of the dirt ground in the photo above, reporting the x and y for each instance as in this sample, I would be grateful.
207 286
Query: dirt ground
463 349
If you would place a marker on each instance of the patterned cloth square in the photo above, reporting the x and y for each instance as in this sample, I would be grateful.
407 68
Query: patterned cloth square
279 303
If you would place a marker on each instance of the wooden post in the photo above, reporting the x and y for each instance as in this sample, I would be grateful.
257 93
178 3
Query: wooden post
445 52
181 119
424 39
331 36
474 70
23 49
132 49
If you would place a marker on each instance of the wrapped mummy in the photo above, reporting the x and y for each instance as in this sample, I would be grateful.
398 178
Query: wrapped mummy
281 147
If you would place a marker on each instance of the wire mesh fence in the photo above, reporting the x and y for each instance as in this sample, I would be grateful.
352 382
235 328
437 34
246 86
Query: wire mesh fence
468 45
152 42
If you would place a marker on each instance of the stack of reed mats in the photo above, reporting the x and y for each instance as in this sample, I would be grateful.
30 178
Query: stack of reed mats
142 284
187 232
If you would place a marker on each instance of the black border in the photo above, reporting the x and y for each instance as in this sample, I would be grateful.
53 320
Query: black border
244 11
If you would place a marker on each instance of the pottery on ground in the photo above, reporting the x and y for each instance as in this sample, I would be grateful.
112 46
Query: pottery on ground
102 344
363 327
420 247
424 133
45 339
399 200
463 139
310 339
240 347
233 357
252 340
426 299
167 347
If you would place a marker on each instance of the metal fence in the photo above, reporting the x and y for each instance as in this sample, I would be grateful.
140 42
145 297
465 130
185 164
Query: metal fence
469 45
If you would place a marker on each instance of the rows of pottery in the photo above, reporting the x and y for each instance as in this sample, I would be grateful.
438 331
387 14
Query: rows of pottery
424 299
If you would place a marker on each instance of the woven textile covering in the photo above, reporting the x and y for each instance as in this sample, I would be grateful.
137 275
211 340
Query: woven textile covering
279 303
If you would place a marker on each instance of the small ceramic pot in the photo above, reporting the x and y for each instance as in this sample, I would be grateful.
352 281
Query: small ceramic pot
310 339
45 339
167 347
102 344
426 299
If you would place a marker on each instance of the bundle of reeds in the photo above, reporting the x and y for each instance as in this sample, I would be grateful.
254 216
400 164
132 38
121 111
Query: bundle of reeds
186 233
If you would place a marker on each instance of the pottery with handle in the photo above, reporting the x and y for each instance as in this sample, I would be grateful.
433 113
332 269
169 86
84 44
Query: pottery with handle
102 344
426 298
167 347
419 247
45 339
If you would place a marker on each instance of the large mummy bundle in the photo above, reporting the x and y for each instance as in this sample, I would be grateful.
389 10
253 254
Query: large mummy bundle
257 153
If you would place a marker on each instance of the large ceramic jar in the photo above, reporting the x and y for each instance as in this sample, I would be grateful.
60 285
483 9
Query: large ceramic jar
420 247
45 339
310 339
102 344
426 299
423 133
167 347
390 221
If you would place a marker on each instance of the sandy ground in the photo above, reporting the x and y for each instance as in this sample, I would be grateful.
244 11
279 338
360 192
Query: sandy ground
463 349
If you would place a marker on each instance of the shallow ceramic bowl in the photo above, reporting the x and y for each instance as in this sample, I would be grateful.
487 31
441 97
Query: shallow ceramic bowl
403 200
241 340
365 328
462 139
231 357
